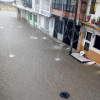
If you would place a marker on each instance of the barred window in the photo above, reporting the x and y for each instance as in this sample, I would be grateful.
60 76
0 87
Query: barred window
68 5
27 3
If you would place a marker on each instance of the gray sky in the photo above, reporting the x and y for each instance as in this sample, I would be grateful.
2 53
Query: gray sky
7 0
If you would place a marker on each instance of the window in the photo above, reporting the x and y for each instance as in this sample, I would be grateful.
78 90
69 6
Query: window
88 37
65 5
60 4
27 3
73 6
92 9
56 4
97 42
86 47
46 23
68 5
53 5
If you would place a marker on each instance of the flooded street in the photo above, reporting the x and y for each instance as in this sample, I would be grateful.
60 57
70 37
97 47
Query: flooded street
33 67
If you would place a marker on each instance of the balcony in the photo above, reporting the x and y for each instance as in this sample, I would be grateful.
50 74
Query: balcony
27 3
64 7
45 10
68 9
42 7
36 6
91 25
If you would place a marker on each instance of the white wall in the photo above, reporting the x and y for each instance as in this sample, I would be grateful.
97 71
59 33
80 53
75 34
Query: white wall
88 7
33 3
45 5
51 26
51 23
23 14
38 21
97 14
26 15
94 32
46 23
31 21
42 21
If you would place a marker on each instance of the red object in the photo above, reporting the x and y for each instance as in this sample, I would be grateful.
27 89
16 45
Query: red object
92 22
98 23
88 18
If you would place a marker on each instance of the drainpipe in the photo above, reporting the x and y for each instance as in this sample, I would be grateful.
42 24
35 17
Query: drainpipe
73 31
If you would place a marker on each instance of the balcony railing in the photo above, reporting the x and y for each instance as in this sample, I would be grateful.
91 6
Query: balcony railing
68 8
27 3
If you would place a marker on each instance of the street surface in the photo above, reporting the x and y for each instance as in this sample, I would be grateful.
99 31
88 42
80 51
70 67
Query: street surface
34 67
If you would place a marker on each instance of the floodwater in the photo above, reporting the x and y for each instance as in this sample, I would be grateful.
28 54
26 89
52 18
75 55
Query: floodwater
34 67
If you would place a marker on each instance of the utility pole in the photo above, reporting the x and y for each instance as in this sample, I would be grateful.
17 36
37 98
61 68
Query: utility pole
73 30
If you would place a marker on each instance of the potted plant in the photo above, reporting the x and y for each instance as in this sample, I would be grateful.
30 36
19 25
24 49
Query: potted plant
88 17
93 21
98 21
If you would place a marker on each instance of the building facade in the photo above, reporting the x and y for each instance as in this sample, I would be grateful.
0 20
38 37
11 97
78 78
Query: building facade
64 12
37 13
90 32
55 17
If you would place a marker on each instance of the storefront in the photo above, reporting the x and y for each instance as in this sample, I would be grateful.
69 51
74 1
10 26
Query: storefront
63 30
89 41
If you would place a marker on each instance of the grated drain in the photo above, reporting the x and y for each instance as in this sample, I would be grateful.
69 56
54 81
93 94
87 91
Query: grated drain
65 95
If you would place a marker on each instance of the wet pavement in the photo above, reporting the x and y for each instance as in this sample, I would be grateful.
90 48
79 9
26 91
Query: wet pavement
33 67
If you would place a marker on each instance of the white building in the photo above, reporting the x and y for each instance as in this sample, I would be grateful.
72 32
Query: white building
37 13
89 41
